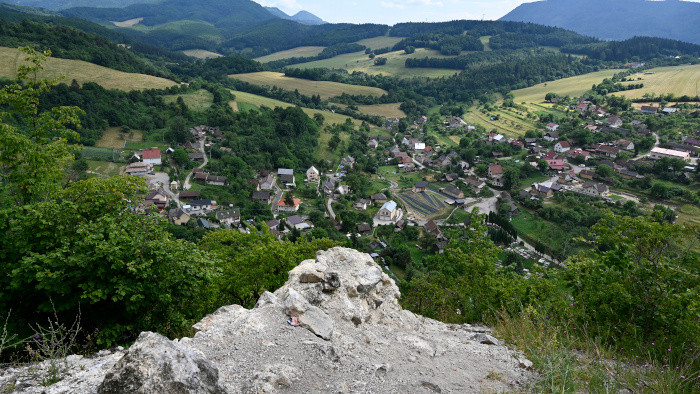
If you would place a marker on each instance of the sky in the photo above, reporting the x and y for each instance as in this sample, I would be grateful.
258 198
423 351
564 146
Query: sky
394 11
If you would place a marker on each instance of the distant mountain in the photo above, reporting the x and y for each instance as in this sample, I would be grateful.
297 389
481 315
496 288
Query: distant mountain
303 17
616 19
63 4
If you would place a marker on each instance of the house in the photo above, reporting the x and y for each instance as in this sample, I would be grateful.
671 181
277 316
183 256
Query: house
189 195
595 189
624 144
693 150
343 190
201 177
273 225
495 173
389 212
419 147
443 161
139 169
551 136
455 122
582 107
267 182
190 146
178 217
204 223
328 187
157 198
196 156
552 126
541 190
608 151
379 198
614 122
629 174
474 182
660 153
669 111
649 110
531 141
372 144
297 222
562 146
283 206
230 217
286 176
586 174
364 229
692 141
263 197
579 152
432 228
517 144
152 157
362 204
453 192
556 164
216 180
451 177
313 175
420 187
347 162
201 206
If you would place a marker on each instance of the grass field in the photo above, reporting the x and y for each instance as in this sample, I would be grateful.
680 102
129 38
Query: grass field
82 72
323 88
387 110
486 40
294 52
395 65
511 123
113 138
197 101
103 168
380 42
679 80
201 54
574 87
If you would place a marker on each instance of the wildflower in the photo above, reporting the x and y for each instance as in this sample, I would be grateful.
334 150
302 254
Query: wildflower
652 344
682 377
669 350
36 336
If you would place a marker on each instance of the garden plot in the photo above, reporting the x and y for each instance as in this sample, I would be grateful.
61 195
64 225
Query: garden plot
424 204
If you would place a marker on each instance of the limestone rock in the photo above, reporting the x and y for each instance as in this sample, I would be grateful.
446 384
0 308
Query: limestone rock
485 339
155 364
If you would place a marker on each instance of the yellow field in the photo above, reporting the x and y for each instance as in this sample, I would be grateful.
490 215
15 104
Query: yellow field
201 54
511 122
395 65
197 101
387 110
323 88
380 42
82 72
679 80
574 86
294 52
113 138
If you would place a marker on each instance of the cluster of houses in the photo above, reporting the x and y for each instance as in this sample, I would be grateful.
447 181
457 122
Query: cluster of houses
200 175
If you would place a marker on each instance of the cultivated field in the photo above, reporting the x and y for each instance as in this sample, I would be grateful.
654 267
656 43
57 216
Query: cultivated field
574 86
197 101
323 88
294 52
201 54
103 168
82 72
380 42
511 123
679 80
386 110
423 204
395 65
113 138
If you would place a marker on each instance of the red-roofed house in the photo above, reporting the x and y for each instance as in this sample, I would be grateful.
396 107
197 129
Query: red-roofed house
580 152
152 157
283 207
562 146
496 174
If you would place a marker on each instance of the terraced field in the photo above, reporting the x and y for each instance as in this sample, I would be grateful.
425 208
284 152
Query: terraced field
325 89
425 204
82 72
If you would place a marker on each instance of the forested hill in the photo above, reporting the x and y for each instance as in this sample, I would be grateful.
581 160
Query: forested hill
616 19
63 4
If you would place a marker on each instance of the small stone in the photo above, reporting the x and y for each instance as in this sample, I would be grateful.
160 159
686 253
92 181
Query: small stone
431 386
311 277
485 339
525 363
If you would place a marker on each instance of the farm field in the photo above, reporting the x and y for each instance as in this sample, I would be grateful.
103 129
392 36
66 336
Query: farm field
323 88
103 168
574 86
202 54
113 138
423 204
82 72
387 110
197 101
395 66
679 80
294 52
380 42
510 123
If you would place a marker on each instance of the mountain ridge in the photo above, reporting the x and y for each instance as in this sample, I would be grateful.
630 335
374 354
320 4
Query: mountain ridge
615 19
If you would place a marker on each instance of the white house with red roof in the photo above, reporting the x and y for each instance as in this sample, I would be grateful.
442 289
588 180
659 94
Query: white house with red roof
152 157
562 146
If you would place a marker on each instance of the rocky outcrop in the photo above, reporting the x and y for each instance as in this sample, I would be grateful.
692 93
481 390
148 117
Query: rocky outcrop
336 325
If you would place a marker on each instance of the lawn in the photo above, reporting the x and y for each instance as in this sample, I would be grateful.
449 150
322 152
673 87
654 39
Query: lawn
202 54
532 229
197 101
294 52
325 89
380 42
103 168
82 72
113 138
386 110
679 80
574 87
688 214
395 66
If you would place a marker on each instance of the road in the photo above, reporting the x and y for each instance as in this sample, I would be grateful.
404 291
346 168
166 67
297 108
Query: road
329 205
187 185
278 196
164 179
656 145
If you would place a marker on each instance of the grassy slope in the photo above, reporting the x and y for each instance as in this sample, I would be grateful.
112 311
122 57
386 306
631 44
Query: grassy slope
294 52
574 86
380 42
324 88
359 61
201 54
113 138
197 101
679 80
82 72
387 110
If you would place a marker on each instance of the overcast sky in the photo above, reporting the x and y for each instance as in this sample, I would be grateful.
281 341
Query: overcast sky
394 11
